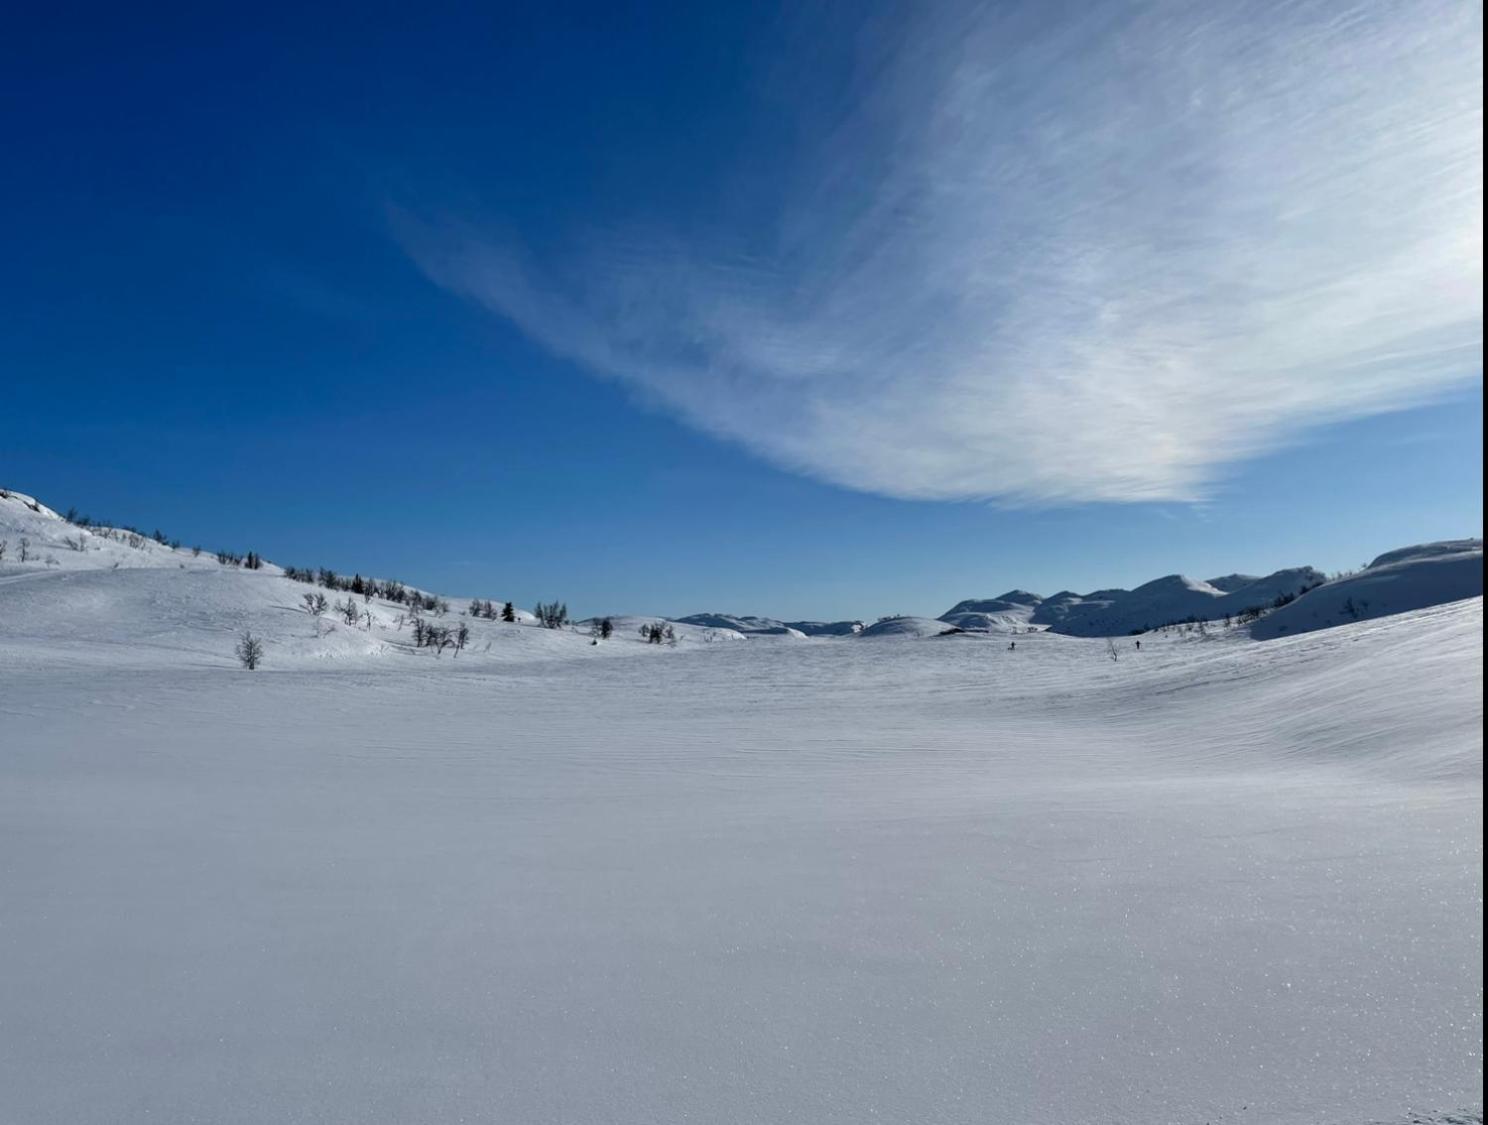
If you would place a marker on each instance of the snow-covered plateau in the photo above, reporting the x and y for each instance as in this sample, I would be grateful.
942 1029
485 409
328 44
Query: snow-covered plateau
739 878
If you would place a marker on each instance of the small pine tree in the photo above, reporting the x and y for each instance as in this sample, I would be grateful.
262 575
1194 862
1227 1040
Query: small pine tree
508 613
606 629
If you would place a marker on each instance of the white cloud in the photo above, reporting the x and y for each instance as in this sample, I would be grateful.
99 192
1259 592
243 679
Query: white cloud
1095 256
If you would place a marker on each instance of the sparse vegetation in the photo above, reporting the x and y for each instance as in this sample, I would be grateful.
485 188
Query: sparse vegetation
551 615
249 651
659 633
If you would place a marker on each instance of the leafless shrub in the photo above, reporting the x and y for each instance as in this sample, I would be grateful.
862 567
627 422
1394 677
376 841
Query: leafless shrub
249 651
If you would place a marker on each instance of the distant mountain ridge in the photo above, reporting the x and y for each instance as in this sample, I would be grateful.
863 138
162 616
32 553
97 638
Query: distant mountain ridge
1163 601
1169 600
769 626
35 539
1296 599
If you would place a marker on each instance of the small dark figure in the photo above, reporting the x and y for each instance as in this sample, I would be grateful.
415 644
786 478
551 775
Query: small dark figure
1012 645
1139 646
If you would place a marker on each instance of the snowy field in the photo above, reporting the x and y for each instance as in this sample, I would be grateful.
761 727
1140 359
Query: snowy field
845 880
900 877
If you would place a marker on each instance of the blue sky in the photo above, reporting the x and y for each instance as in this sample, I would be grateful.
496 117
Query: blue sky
711 307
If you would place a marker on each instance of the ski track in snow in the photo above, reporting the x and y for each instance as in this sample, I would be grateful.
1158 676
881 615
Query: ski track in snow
904 880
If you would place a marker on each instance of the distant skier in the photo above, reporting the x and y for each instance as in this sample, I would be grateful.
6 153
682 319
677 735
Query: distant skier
1012 645
1139 646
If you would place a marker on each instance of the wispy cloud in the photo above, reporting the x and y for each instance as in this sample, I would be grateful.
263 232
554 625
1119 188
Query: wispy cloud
1093 252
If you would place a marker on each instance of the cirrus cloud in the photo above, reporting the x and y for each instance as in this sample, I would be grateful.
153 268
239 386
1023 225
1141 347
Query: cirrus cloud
1059 255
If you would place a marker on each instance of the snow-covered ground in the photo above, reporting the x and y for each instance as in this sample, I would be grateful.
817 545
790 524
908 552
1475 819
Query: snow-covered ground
772 880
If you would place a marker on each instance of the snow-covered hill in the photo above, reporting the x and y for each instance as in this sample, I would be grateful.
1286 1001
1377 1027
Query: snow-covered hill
1165 601
1008 613
117 597
1396 582
769 626
629 625
36 539
906 627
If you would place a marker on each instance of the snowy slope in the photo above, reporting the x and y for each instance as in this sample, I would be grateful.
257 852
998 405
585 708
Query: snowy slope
1229 583
769 626
1011 612
131 601
826 628
1396 582
1167 600
1216 880
905 627
1119 612
630 625
29 527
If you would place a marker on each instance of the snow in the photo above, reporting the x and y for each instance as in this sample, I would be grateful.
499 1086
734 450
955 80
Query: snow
1229 583
1219 879
628 626
905 627
769 626
1404 579
1011 612
1164 601
1397 581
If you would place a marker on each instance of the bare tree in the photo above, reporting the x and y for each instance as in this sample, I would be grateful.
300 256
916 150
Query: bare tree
249 651
75 542
25 550
1111 650
3 545
315 604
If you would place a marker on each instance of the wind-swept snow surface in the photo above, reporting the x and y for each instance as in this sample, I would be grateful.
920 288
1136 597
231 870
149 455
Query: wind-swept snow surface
830 882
